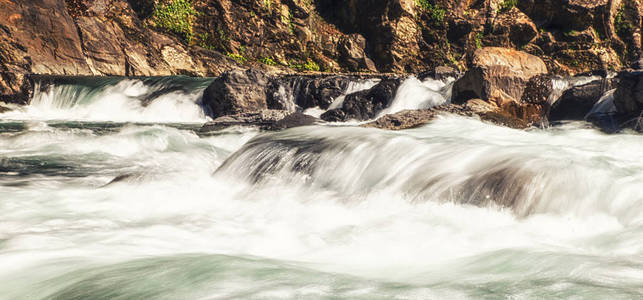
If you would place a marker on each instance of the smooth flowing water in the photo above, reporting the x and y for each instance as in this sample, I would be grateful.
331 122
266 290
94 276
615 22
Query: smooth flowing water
98 206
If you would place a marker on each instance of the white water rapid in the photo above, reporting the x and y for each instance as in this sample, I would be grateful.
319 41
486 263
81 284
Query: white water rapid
92 208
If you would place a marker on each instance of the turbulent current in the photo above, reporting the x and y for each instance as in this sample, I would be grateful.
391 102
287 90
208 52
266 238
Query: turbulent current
111 191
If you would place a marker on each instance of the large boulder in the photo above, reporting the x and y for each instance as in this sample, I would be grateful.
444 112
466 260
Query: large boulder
365 105
497 74
237 92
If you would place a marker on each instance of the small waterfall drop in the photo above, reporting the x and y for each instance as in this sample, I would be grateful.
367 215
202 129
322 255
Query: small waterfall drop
115 99
416 94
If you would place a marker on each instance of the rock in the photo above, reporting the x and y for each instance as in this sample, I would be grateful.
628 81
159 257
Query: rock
516 28
628 97
415 118
237 92
262 118
576 102
405 119
351 51
439 73
388 25
497 74
538 89
364 105
480 106
265 119
296 119
317 91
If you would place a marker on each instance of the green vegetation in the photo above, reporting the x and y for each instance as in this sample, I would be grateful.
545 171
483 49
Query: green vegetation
204 41
507 5
268 61
622 26
310 65
175 16
434 10
238 57
287 19
478 39
267 4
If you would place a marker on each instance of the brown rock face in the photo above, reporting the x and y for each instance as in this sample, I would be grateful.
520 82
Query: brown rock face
499 75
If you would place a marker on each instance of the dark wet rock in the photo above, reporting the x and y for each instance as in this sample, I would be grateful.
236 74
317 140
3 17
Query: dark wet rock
295 120
576 102
237 92
268 119
364 105
317 91
628 97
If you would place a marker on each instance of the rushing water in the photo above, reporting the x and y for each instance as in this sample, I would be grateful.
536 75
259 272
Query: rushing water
145 209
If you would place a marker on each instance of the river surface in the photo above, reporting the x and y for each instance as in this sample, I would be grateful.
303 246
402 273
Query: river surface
131 201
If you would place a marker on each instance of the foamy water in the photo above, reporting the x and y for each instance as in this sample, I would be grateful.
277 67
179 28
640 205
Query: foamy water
456 209
392 214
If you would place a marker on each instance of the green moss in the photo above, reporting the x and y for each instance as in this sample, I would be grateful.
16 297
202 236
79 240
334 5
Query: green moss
268 61
238 57
507 5
478 39
175 16
310 65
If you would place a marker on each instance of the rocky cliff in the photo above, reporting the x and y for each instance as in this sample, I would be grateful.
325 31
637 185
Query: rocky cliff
207 37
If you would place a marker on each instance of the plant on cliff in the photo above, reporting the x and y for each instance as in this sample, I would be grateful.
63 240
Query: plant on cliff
175 16
237 57
478 39
622 26
310 65
435 12
507 5
268 61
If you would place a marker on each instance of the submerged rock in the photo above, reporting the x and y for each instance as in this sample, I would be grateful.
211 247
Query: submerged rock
415 118
265 119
